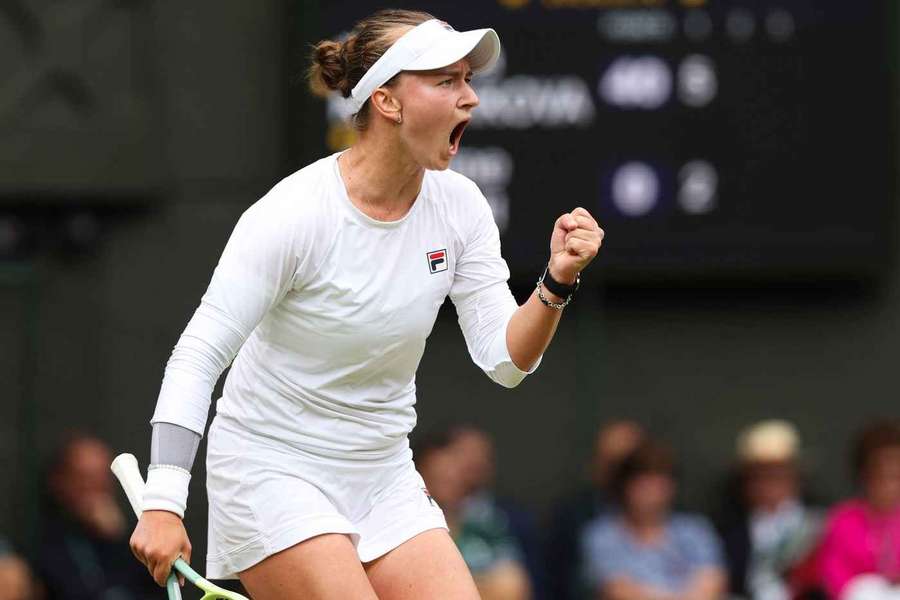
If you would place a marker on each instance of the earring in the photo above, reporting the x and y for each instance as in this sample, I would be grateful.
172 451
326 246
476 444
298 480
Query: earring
399 118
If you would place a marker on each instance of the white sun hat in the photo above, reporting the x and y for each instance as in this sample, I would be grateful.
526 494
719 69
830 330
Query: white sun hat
773 440
430 45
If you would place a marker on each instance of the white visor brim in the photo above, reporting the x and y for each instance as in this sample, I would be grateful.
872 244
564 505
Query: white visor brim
480 46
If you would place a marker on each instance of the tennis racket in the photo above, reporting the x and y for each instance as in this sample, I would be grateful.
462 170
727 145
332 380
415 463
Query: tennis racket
125 467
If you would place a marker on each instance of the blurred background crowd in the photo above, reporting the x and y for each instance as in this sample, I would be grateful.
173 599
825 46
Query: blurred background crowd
717 415
623 535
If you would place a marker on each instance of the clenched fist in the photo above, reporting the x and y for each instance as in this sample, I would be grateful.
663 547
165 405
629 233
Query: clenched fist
574 243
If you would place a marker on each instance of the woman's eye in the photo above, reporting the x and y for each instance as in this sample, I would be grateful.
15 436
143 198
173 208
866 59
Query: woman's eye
446 82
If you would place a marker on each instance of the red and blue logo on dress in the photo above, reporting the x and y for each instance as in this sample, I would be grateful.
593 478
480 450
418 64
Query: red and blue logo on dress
437 261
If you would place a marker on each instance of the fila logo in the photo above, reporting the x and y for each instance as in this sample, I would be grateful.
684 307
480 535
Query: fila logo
437 261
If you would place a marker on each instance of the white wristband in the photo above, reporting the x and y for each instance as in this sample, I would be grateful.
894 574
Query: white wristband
167 489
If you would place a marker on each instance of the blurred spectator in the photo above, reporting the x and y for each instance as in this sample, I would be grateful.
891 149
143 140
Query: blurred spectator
771 531
860 555
85 553
614 441
643 551
486 544
16 582
474 449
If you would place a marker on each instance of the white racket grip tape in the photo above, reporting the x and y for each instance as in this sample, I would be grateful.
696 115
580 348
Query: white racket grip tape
125 468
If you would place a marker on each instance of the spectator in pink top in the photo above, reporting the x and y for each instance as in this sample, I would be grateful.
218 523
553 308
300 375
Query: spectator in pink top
860 554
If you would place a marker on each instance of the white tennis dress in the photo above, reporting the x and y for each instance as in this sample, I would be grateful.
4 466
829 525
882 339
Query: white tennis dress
325 312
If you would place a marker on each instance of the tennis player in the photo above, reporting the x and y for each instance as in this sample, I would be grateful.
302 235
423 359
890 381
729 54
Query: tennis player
324 297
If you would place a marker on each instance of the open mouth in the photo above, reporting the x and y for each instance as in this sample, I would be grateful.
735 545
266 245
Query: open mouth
456 136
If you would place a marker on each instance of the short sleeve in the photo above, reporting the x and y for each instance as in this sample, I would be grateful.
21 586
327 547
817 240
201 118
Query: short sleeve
603 557
841 554
699 542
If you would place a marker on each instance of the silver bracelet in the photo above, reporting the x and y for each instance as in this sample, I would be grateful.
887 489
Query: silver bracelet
548 302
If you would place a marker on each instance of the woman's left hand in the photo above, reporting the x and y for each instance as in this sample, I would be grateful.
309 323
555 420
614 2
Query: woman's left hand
574 243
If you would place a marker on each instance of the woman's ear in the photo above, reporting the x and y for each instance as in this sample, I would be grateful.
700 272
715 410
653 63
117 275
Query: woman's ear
386 104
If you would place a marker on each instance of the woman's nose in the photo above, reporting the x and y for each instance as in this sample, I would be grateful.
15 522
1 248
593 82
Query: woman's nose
470 98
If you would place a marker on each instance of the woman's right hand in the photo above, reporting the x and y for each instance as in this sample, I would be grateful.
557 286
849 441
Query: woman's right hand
158 541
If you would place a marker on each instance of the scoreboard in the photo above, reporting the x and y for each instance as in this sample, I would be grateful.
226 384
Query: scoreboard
711 139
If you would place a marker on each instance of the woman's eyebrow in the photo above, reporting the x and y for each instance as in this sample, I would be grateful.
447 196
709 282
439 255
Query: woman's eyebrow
448 72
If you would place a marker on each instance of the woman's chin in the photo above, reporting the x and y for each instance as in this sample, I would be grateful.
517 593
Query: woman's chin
436 160
441 162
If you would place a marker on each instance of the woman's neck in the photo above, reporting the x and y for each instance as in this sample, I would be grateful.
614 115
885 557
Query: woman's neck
883 507
381 180
645 528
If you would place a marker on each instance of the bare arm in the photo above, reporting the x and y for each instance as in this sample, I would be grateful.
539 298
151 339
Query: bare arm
505 581
708 583
624 588
574 243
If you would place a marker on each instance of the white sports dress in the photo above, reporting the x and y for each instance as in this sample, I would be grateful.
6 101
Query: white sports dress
325 313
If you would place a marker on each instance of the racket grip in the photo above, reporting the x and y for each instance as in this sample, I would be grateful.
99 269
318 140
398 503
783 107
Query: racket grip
125 468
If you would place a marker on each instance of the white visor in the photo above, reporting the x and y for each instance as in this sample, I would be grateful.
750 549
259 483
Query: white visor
431 45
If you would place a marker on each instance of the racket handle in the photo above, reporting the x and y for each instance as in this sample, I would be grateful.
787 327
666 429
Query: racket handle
172 587
189 574
125 468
